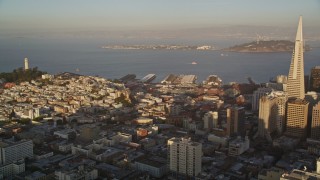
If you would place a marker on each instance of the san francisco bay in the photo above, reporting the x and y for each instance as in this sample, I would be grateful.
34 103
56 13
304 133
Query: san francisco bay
88 58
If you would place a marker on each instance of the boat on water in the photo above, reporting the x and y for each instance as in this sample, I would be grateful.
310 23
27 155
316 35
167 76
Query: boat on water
194 62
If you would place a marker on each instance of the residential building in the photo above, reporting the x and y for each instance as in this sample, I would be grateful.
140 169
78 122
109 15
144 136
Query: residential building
184 156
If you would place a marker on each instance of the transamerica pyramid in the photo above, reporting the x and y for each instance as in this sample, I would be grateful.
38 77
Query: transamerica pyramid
295 85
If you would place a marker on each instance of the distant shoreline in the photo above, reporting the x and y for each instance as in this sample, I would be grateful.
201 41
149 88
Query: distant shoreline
264 47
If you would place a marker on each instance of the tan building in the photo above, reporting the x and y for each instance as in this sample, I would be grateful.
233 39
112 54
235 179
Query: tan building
235 120
184 156
315 124
297 114
315 79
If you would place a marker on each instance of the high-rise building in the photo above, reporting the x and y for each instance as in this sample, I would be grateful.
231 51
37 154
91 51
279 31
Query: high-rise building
184 156
26 64
297 115
281 106
315 124
272 113
210 120
315 79
267 116
295 85
257 95
11 151
318 165
235 120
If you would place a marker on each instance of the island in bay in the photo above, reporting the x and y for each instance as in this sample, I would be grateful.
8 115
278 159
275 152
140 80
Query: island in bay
160 47
265 46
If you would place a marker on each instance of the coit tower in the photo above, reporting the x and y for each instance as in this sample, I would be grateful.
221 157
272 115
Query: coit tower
26 64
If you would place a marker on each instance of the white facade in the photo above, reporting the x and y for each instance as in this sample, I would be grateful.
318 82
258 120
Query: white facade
257 95
267 116
184 156
216 139
26 64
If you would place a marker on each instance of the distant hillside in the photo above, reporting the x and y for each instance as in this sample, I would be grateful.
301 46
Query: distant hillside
265 46
20 75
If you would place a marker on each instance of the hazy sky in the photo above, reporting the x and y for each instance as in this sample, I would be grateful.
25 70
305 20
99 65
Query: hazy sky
18 17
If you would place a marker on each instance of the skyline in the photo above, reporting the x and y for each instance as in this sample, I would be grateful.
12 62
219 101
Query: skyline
127 16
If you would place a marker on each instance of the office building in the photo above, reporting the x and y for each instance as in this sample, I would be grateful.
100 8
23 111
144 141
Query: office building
297 114
257 95
238 146
210 120
12 151
9 170
235 120
295 85
315 124
315 79
184 156
267 116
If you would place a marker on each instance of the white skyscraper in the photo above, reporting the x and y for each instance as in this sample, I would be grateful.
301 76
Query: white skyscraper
272 113
184 156
295 85
26 64
257 95
267 116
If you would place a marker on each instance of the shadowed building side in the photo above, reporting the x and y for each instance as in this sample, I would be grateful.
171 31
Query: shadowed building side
315 124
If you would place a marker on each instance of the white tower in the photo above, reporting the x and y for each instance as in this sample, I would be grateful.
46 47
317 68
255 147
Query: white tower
295 85
26 64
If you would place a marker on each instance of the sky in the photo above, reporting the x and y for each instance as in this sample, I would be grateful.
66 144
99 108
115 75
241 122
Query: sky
128 15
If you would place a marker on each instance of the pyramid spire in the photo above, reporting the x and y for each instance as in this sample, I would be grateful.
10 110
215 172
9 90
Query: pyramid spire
295 85
299 31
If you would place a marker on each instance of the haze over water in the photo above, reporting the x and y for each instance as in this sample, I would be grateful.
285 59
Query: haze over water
59 36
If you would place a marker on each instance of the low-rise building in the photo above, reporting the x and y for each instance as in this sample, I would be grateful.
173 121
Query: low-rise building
238 146
155 167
